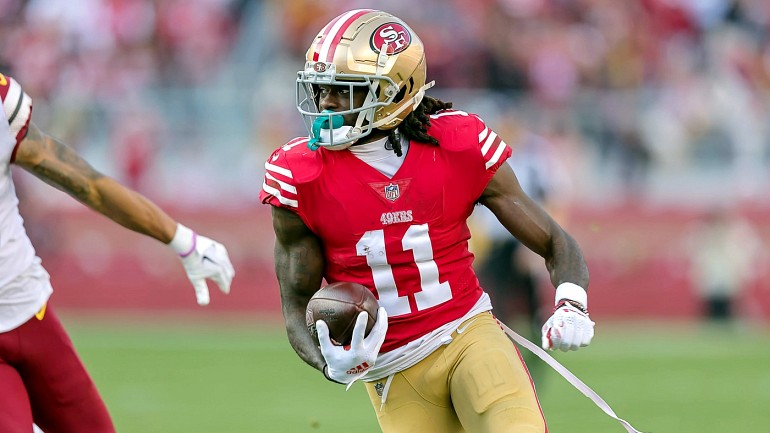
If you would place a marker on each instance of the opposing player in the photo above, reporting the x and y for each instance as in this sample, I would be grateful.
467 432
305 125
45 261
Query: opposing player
379 194
42 379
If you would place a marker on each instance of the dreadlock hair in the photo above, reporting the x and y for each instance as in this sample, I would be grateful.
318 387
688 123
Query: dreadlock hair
415 125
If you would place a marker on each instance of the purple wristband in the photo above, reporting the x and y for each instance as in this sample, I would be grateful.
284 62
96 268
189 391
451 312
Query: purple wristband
192 248
184 241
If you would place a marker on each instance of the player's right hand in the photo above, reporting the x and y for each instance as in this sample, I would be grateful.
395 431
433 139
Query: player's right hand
347 364
203 259
209 260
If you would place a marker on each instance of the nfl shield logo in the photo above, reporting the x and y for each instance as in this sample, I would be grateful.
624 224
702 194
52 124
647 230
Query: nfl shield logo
392 192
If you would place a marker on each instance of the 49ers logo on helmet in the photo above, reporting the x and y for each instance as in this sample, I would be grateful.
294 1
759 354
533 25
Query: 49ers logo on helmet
394 35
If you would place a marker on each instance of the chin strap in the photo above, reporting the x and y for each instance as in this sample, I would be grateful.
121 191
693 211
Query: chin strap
336 135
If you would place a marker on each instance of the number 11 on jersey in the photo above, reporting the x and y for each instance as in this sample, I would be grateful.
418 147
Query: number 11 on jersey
417 239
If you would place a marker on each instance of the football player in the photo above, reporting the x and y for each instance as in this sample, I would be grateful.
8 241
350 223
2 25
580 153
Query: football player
379 194
41 376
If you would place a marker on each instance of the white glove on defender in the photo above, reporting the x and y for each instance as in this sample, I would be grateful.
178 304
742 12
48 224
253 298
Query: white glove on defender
202 258
346 365
568 328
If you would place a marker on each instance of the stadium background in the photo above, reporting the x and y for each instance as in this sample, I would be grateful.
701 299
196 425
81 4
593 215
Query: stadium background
659 111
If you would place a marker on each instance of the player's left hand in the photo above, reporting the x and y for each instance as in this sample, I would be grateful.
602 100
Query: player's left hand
569 328
204 259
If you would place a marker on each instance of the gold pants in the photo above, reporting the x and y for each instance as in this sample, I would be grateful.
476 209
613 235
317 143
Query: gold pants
478 383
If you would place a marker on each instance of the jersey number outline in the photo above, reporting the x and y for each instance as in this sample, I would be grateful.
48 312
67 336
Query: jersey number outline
432 293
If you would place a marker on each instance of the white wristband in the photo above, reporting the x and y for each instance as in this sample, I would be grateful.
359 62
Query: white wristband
572 292
184 241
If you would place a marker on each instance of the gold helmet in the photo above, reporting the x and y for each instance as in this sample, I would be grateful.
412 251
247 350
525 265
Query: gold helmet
362 48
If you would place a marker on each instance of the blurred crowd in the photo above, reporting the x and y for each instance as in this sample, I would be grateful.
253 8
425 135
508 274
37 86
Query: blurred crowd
100 71
661 98
109 49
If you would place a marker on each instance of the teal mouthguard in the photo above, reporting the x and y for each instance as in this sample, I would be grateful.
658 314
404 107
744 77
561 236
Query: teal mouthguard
323 123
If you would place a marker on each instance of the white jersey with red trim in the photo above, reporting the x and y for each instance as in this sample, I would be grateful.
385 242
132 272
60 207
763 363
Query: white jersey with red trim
404 237
24 284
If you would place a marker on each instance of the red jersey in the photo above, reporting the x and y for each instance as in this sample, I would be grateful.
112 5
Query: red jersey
405 237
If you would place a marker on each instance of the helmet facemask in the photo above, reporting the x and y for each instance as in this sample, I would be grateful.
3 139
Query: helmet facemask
317 122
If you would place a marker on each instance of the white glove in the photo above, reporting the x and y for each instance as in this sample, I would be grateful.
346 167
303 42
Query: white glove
348 364
569 328
202 258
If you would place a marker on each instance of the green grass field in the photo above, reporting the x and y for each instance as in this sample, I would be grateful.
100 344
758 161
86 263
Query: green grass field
243 377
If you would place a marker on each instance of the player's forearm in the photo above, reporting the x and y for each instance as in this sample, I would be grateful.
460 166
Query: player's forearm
299 276
566 262
297 284
132 210
61 167
299 267
299 337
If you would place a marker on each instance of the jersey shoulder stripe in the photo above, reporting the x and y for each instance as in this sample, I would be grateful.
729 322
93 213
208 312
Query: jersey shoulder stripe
279 187
445 113
17 106
462 131
492 147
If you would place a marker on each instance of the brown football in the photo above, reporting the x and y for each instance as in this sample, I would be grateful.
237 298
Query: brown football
339 304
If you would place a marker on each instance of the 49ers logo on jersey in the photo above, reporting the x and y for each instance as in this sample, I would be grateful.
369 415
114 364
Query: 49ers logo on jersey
400 216
394 35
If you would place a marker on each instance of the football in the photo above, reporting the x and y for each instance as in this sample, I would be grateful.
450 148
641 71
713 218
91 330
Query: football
338 304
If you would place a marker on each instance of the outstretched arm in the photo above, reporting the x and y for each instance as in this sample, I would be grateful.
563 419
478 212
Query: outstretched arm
531 225
61 167
569 328
299 266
